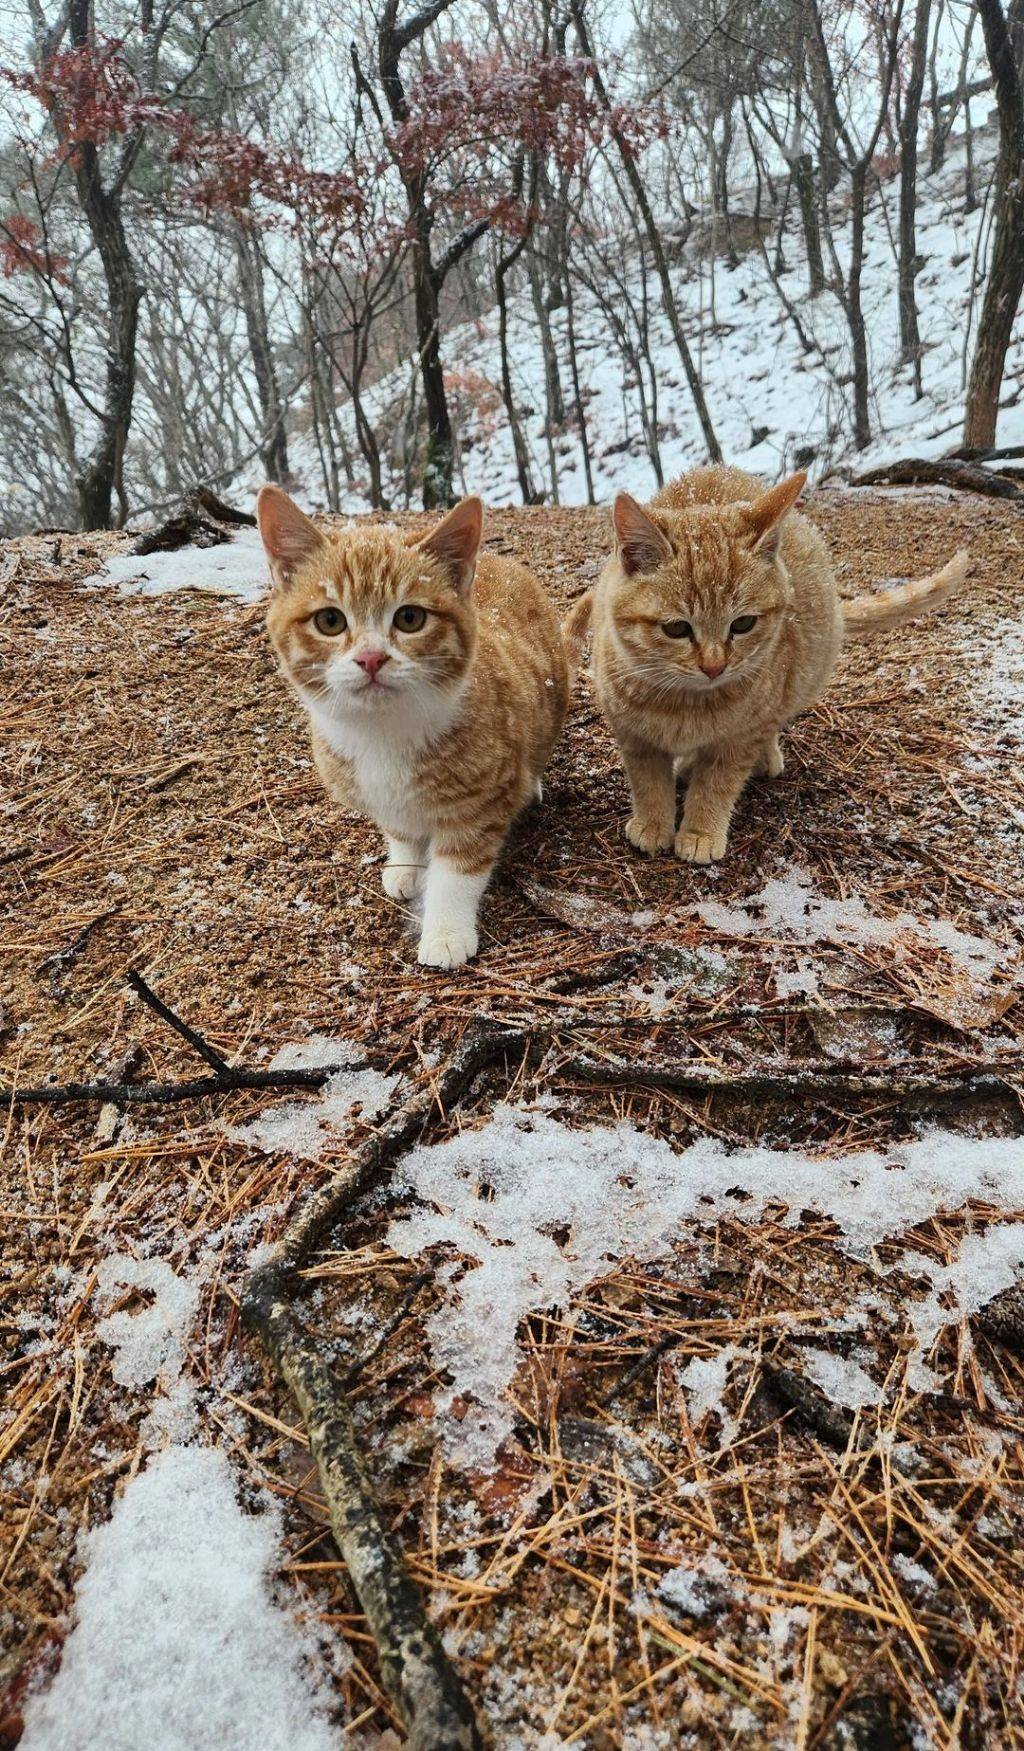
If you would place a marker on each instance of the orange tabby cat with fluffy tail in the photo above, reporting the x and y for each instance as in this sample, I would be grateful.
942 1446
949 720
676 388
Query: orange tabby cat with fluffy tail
715 621
436 683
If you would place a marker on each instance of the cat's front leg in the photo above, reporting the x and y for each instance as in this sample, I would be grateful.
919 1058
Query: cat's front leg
652 784
403 873
456 879
715 784
771 760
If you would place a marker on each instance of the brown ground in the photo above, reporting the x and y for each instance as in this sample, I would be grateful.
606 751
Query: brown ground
162 813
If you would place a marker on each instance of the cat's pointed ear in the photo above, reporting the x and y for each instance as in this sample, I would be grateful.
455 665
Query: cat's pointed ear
764 517
455 542
642 547
288 536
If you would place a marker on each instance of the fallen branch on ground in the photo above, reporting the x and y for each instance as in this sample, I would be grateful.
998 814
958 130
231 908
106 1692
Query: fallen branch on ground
812 1081
200 522
962 476
415 1670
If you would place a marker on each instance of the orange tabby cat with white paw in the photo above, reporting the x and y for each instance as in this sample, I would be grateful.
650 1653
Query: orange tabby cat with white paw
435 682
716 621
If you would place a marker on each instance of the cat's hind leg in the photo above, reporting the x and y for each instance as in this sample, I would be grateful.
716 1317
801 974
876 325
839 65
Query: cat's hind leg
404 872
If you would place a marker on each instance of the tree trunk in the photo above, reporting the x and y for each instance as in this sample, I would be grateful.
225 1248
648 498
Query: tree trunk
1006 268
802 168
577 393
855 312
102 474
636 183
505 264
553 397
428 277
274 448
910 334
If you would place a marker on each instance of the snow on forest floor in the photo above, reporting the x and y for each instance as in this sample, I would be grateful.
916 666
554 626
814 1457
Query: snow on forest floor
698 1414
236 567
775 404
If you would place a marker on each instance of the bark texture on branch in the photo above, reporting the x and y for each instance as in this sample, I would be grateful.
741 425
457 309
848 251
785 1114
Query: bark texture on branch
962 476
415 1669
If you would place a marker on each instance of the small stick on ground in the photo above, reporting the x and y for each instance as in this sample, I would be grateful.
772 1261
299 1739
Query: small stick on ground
415 1669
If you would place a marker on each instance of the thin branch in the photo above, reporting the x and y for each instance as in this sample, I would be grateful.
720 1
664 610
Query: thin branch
160 1008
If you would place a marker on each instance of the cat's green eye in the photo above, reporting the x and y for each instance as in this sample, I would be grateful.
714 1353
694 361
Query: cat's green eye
410 617
745 623
677 629
329 621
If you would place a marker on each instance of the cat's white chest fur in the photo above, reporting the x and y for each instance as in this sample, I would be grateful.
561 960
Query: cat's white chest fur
383 751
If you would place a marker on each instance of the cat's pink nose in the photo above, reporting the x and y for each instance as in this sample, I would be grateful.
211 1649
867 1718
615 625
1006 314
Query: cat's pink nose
372 661
712 670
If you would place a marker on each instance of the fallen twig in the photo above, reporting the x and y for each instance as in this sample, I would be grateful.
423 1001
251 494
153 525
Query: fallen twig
415 1670
160 1008
809 1404
812 1081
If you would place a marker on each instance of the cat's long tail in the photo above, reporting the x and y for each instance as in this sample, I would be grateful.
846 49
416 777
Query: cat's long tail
575 632
890 607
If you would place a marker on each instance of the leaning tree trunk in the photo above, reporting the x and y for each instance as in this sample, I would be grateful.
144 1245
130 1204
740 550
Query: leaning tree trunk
103 473
1006 269
1003 291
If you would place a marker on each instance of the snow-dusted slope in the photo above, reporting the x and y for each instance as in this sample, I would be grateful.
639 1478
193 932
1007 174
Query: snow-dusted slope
757 377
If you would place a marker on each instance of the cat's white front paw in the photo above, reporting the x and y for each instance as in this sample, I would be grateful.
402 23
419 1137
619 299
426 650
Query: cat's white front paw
448 945
401 881
700 847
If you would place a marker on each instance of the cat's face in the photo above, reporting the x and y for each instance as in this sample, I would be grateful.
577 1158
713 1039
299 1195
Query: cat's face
698 596
364 623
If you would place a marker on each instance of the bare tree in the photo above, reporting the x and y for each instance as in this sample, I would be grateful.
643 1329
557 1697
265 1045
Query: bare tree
428 272
908 264
1003 29
654 240
853 156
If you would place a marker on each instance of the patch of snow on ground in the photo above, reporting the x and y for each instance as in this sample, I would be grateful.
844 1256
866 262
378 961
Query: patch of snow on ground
704 1380
177 1641
305 1128
318 1052
686 1590
985 1265
913 1573
801 981
150 1341
840 1378
532 1211
788 907
233 568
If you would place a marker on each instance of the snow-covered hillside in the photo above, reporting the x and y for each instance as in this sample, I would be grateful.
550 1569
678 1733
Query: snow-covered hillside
773 404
